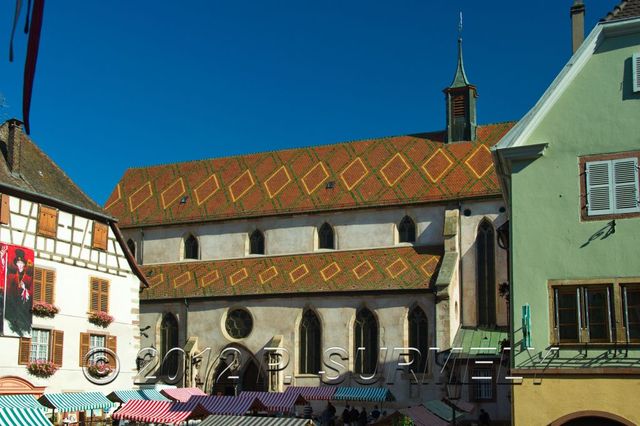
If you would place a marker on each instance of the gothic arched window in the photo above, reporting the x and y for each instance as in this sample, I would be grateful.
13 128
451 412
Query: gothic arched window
365 336
168 341
419 337
310 341
486 274
325 237
191 247
407 230
256 242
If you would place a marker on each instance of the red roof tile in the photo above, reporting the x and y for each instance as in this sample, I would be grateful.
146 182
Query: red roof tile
330 271
389 171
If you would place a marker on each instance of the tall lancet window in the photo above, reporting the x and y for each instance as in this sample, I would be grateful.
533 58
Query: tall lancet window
419 337
365 336
486 274
168 341
407 230
256 242
310 341
191 249
325 237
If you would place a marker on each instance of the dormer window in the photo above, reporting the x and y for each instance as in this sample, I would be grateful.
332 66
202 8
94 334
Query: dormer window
191 247
325 237
256 242
407 230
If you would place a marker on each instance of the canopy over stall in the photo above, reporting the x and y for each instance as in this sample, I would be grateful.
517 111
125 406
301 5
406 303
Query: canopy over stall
314 393
442 410
216 420
229 405
76 401
123 396
181 394
23 416
20 401
159 411
423 417
277 402
369 394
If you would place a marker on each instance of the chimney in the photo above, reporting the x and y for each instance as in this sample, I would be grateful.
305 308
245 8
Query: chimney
14 146
577 24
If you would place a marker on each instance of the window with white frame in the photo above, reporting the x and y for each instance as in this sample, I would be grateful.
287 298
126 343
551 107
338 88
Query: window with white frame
612 186
97 341
39 345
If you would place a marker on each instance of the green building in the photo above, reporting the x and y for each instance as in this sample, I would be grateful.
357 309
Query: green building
569 171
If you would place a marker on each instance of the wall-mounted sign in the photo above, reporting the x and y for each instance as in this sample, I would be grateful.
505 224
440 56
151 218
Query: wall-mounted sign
16 277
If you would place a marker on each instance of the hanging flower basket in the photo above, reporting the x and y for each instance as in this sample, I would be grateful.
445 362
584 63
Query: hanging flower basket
101 319
42 369
45 310
99 370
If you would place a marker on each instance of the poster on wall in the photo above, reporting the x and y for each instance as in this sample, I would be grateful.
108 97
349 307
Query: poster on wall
16 275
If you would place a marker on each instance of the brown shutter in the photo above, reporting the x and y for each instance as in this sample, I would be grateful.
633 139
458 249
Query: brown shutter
94 303
57 347
47 221
4 209
24 351
85 343
37 285
100 234
49 282
112 344
104 296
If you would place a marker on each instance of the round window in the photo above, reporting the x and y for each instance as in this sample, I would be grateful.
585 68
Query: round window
239 323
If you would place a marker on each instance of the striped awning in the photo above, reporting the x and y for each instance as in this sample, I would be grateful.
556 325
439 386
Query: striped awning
181 394
76 401
144 394
423 417
23 416
314 393
229 405
442 410
216 420
277 402
20 401
370 394
159 411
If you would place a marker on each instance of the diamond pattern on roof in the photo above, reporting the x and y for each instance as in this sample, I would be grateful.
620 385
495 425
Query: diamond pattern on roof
354 173
140 196
241 185
308 273
182 279
268 274
115 197
437 165
172 193
330 271
206 189
395 169
315 177
480 162
277 181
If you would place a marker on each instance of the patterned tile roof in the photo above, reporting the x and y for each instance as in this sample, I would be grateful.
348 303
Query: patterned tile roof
330 271
377 172
625 10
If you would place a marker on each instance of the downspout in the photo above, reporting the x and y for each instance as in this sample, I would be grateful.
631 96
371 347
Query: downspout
460 268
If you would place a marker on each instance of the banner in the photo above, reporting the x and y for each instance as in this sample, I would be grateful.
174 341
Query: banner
16 275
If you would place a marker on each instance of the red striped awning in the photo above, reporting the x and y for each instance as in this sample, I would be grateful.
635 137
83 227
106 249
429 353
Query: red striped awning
314 393
277 402
159 411
181 394
229 405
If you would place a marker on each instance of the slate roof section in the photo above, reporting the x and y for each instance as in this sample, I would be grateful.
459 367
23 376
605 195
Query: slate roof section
40 176
377 172
330 271
625 10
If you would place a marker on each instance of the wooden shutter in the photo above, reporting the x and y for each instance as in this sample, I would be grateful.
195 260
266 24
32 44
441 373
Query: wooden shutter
85 344
57 345
44 285
24 351
47 221
635 67
112 344
4 209
599 188
99 295
100 234
625 185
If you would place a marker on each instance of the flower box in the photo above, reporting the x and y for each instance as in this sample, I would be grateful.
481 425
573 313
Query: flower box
43 309
99 370
100 318
42 369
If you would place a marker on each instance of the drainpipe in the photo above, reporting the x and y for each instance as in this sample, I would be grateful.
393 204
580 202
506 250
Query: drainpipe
460 266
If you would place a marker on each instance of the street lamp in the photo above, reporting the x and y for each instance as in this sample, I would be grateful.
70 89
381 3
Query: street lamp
453 394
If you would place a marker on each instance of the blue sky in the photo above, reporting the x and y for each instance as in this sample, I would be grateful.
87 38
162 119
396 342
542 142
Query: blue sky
128 84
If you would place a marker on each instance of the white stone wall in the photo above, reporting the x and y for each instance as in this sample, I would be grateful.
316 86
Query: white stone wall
74 261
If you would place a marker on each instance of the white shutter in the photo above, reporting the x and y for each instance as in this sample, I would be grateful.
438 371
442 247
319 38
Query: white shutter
625 185
635 69
599 188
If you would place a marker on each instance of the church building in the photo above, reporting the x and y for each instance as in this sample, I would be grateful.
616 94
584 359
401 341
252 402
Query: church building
329 263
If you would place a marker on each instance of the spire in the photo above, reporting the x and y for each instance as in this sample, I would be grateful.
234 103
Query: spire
460 79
